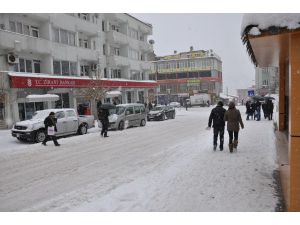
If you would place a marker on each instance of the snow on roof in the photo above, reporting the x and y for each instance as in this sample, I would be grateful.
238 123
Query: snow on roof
265 20
42 98
22 74
113 93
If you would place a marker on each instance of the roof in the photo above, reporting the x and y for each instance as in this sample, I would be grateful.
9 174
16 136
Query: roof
267 24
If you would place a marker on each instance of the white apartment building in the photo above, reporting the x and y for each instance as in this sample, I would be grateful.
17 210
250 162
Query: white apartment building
64 53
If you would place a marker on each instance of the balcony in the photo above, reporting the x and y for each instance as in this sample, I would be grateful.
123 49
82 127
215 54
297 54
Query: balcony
119 61
117 37
10 40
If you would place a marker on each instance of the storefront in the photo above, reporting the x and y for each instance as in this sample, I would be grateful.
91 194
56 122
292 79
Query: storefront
16 106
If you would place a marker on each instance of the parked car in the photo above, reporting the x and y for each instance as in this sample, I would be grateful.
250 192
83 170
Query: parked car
68 122
134 114
161 112
175 104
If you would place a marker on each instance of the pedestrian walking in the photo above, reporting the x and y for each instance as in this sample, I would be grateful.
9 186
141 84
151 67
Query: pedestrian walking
216 118
258 110
50 127
103 117
270 108
234 119
248 109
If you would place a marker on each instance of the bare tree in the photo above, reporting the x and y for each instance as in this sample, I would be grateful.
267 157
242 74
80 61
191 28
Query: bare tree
94 92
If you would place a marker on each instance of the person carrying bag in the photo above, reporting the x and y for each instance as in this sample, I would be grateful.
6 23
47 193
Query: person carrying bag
50 127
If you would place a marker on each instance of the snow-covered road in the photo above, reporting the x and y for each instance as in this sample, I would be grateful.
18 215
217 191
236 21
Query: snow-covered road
165 166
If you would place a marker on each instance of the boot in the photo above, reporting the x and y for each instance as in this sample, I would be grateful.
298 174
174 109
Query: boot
230 147
235 143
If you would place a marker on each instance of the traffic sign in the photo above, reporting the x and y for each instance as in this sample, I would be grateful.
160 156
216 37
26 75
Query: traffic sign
251 93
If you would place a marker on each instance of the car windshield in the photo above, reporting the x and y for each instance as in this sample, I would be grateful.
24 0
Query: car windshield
40 115
157 108
119 110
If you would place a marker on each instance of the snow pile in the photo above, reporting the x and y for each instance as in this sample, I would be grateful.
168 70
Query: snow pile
254 31
266 20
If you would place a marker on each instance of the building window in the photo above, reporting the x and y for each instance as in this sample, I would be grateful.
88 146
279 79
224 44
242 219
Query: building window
85 44
19 28
63 36
104 49
26 29
84 70
55 34
37 66
12 26
71 38
65 68
116 51
22 65
105 72
29 66
35 31
103 25
73 66
56 67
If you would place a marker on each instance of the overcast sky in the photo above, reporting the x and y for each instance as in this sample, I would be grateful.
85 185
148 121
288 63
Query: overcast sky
220 32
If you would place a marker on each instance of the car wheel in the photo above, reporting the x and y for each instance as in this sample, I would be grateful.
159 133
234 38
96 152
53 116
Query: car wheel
143 123
40 136
121 125
82 129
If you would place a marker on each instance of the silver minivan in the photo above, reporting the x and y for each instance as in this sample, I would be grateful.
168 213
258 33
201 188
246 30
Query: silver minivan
127 115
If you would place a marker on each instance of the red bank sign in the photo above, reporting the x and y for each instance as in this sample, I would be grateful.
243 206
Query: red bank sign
56 82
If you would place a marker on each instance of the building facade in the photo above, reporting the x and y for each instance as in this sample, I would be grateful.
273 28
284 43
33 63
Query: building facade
184 74
65 53
266 80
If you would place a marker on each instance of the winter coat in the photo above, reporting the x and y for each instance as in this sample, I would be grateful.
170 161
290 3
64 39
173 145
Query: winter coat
217 117
50 122
103 115
233 118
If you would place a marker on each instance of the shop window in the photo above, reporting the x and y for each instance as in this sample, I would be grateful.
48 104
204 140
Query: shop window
128 97
2 111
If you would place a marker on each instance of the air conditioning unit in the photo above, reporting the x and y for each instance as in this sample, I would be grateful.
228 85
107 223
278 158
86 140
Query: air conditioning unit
94 67
12 58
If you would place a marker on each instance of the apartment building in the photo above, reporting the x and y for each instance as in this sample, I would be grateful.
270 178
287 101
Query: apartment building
187 73
65 53
266 80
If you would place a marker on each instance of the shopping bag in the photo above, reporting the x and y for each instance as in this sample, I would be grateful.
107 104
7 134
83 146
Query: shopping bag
51 131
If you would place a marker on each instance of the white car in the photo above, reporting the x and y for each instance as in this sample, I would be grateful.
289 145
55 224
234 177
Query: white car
68 122
175 104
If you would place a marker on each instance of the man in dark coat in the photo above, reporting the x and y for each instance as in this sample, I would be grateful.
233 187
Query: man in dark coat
270 108
234 119
50 121
217 117
103 117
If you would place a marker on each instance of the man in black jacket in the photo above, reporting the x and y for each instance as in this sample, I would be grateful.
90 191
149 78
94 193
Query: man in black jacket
50 121
103 117
217 117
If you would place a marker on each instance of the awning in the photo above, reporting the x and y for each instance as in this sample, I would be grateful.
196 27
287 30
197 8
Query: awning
42 98
111 94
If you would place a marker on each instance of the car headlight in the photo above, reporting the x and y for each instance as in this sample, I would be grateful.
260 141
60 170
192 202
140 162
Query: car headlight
158 114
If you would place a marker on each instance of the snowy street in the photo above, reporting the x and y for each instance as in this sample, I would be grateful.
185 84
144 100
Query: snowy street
164 166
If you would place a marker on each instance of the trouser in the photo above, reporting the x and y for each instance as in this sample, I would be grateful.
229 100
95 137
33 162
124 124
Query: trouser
51 137
231 134
104 128
271 116
219 131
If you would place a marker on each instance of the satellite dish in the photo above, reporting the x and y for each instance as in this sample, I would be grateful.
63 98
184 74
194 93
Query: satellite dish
151 42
